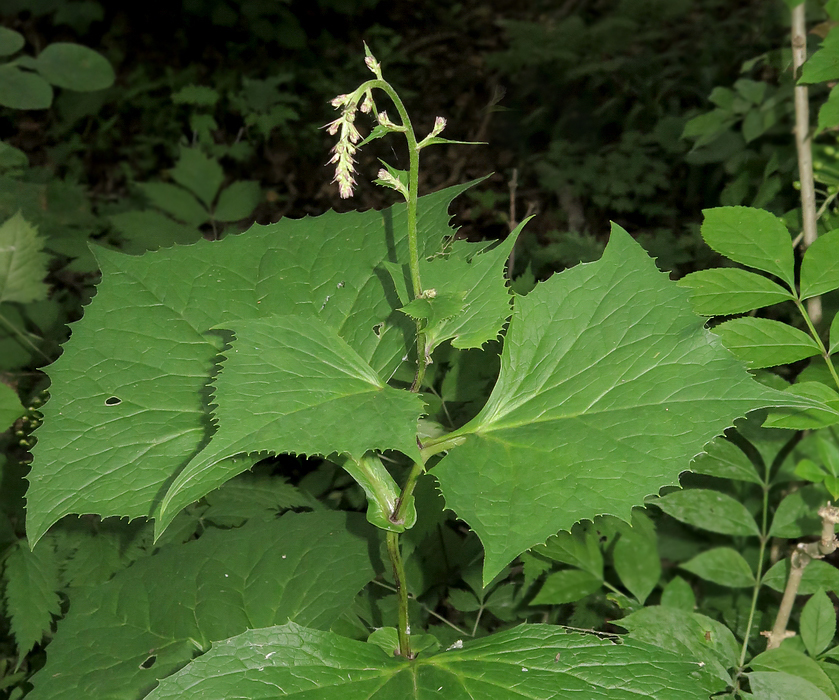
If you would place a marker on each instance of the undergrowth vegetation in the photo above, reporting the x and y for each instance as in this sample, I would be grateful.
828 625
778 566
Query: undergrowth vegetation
258 446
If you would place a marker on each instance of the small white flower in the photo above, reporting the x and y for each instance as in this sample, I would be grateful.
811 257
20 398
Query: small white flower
374 66
439 125
390 181
367 104
385 121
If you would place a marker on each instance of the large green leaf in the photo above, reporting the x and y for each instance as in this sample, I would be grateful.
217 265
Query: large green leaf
609 386
121 637
284 375
23 265
479 279
539 662
129 399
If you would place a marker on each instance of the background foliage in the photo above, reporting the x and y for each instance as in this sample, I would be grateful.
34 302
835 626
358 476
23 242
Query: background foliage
639 111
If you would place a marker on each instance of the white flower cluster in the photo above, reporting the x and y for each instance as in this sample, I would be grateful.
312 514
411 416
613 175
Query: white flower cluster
345 149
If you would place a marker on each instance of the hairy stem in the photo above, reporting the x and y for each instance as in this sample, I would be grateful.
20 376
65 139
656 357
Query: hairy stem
803 145
412 198
403 629
394 553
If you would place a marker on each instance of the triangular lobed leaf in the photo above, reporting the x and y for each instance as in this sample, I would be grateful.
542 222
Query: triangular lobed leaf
144 342
609 386
539 662
479 277
291 384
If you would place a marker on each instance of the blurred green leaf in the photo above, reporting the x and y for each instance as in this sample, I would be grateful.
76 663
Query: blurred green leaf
74 67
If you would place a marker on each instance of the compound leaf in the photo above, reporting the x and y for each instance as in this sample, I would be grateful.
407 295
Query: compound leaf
722 565
820 266
539 662
176 202
199 173
131 385
10 41
818 623
567 586
824 64
609 386
775 685
725 460
709 510
121 637
730 290
752 237
763 342
238 200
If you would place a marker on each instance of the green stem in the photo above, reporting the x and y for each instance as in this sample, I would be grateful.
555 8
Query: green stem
764 538
403 629
815 335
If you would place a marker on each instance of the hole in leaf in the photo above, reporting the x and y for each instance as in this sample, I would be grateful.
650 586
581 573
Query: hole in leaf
149 662
378 329
113 401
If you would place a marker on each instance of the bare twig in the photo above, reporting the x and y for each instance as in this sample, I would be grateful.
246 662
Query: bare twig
803 145
803 555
